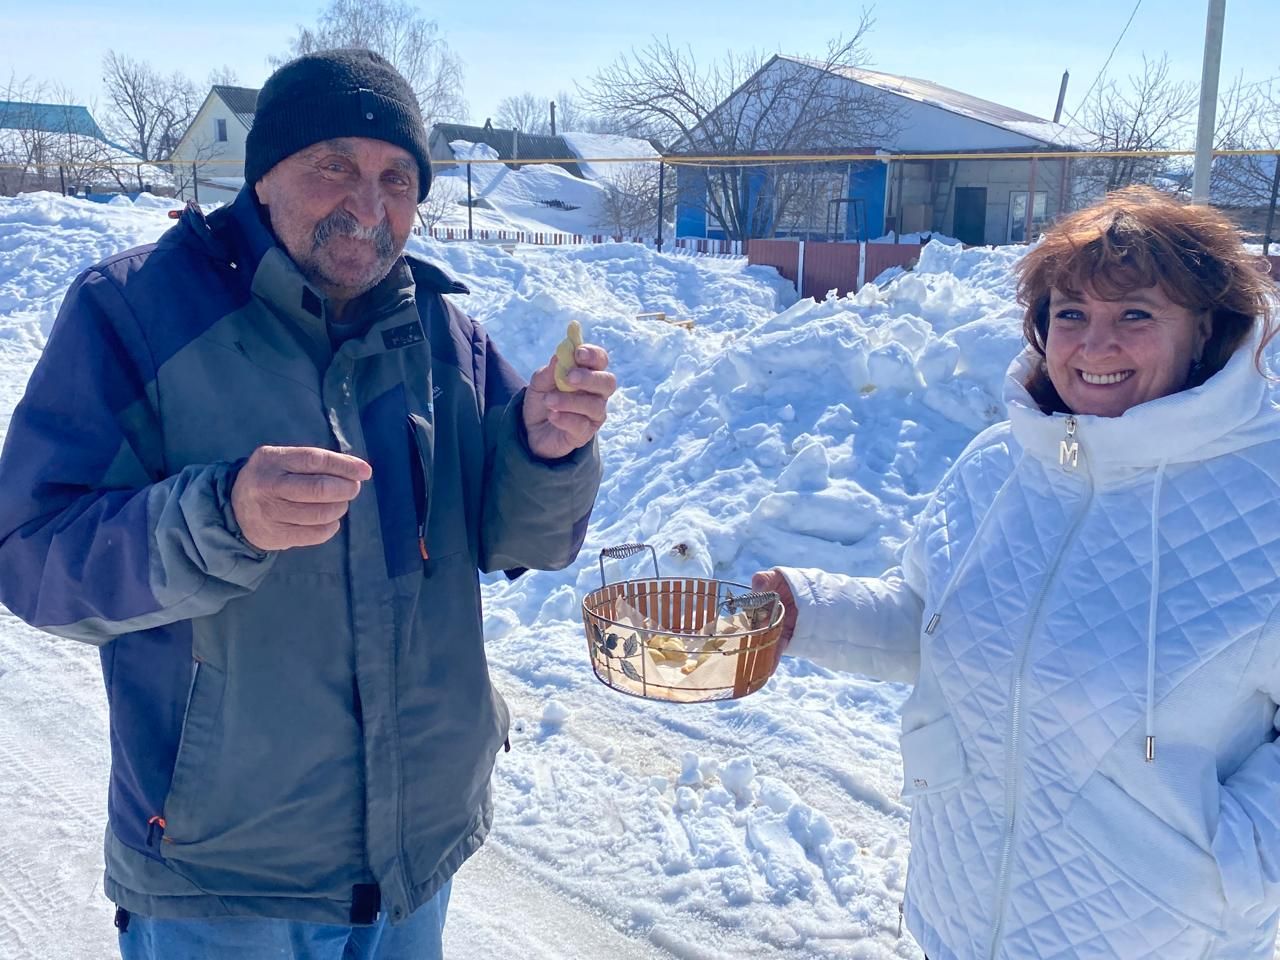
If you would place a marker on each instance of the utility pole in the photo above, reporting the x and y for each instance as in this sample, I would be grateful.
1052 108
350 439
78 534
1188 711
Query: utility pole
553 118
1208 100
1271 213
662 198
1062 96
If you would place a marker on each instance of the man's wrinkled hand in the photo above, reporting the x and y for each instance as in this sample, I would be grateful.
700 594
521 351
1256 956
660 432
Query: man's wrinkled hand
558 423
295 496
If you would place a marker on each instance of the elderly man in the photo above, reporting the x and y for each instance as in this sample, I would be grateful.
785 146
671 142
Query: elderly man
259 465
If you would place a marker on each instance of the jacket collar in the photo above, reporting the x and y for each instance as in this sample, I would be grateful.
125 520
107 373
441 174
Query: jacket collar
240 235
1187 426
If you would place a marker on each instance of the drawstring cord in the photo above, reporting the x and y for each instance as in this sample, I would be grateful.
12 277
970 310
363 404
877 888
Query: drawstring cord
1150 749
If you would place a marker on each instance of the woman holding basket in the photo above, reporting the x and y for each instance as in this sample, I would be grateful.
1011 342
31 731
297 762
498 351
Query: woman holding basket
1089 608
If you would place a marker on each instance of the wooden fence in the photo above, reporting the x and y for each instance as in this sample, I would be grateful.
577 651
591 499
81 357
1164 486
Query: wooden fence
822 267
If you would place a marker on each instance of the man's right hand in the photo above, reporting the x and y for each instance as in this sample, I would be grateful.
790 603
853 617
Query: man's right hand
295 496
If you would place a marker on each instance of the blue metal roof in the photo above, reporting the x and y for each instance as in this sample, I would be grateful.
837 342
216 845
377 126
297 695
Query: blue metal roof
49 118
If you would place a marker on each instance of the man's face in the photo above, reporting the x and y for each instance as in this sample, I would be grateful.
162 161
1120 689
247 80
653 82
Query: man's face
343 210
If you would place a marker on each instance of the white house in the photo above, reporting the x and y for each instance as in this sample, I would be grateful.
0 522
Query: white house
209 159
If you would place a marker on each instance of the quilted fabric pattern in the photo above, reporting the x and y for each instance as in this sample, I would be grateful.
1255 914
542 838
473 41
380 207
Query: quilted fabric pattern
1040 658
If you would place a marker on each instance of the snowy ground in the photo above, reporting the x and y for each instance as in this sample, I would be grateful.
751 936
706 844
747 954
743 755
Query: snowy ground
773 432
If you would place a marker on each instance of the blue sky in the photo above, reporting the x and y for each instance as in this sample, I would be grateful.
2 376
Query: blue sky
1010 52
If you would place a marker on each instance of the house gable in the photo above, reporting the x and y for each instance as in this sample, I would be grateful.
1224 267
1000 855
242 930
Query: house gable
201 142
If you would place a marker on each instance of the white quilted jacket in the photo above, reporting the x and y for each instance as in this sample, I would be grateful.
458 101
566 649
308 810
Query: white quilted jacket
1060 620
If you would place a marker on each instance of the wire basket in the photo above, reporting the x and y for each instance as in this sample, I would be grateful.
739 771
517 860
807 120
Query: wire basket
683 640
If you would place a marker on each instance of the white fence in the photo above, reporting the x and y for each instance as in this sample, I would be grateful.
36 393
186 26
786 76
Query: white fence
686 246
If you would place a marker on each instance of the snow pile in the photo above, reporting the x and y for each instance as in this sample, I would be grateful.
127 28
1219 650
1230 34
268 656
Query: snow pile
772 432
918 237
542 197
535 198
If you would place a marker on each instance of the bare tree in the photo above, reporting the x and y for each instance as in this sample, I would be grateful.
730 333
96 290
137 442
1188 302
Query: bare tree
1249 119
570 116
746 104
435 208
223 76
630 203
45 142
526 112
398 32
25 147
1149 111
147 113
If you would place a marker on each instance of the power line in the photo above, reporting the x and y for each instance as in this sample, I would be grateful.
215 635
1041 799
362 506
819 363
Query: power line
1106 63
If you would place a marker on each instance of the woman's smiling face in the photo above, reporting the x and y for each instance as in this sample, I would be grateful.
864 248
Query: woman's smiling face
1105 356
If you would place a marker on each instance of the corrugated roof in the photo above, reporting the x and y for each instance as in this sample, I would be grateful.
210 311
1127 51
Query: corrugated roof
242 101
49 118
953 101
504 143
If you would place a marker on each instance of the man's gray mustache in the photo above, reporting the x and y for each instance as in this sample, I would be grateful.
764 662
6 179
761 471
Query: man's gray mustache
342 224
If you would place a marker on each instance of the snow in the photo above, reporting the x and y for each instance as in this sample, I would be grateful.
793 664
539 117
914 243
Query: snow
537 198
920 237
773 432
611 147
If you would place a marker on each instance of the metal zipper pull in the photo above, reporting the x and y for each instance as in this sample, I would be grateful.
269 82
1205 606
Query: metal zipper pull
933 624
1069 448
900 911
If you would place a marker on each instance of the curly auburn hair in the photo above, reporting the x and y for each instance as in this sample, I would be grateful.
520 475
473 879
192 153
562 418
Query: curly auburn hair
1139 237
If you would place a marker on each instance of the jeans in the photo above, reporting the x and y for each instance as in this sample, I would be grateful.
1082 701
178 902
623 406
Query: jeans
251 938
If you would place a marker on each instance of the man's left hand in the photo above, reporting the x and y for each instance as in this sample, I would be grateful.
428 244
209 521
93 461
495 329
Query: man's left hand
558 423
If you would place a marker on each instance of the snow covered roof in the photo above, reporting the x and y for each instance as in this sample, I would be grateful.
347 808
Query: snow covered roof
512 144
242 101
607 146
962 104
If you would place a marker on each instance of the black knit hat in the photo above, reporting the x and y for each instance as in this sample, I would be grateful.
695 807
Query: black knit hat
334 93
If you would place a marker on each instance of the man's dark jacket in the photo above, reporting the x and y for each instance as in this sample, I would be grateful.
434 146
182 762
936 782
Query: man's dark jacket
301 734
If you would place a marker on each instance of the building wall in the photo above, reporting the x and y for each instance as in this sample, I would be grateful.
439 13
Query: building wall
928 192
864 181
868 183
691 194
200 144
924 127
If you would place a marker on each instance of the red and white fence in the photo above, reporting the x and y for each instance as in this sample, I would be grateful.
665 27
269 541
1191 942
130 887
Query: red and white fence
692 246
540 238
816 268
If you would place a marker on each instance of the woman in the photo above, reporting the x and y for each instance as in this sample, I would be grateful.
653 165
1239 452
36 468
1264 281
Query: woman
1089 608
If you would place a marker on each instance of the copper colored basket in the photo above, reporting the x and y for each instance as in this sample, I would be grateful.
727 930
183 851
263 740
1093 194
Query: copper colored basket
680 640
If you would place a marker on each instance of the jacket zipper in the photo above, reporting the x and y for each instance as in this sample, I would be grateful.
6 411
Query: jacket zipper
1068 459
421 490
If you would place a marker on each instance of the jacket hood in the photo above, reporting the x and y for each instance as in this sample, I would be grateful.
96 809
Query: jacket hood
1230 411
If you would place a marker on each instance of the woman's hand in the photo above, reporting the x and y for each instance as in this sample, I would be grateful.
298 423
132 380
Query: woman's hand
558 423
773 580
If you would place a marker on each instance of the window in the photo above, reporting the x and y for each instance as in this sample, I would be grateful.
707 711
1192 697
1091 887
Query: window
1018 215
803 205
222 130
